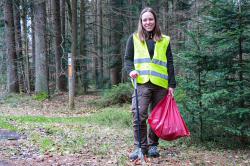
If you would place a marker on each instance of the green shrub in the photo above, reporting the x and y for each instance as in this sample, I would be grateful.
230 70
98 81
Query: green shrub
118 94
41 96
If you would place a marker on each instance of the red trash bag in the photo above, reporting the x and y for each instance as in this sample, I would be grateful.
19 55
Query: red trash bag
166 121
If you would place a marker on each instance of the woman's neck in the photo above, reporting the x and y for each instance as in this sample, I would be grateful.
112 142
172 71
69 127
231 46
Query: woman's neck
150 35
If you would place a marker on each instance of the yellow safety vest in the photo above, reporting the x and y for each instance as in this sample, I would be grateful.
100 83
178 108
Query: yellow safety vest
154 69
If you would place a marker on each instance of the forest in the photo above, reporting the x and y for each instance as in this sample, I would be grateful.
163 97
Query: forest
63 84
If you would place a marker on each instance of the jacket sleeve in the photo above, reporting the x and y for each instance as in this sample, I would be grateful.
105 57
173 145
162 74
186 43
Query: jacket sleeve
129 55
170 66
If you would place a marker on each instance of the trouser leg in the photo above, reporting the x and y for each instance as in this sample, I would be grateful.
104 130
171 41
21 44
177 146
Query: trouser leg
144 97
158 94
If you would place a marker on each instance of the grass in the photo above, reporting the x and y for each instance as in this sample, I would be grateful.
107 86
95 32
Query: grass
46 144
67 135
4 124
114 116
103 149
41 96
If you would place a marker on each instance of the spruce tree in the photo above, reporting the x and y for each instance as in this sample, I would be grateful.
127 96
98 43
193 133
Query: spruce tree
228 22
217 70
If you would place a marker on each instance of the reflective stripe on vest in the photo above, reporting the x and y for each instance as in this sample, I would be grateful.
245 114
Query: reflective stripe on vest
154 69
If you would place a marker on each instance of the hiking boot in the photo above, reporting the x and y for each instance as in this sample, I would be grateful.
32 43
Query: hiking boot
153 152
134 155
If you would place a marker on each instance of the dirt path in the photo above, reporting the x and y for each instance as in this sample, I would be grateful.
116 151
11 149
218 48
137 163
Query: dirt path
169 156
104 146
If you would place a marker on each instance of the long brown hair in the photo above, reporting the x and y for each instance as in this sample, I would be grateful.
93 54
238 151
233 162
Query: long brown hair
143 34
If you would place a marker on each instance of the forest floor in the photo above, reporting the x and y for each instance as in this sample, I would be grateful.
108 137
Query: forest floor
50 134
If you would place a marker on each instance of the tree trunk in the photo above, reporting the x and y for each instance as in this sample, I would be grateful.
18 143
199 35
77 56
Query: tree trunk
83 46
241 55
131 22
166 17
116 25
62 14
69 11
32 72
110 45
12 79
95 55
41 71
58 47
18 44
25 50
63 78
99 44
73 50
49 45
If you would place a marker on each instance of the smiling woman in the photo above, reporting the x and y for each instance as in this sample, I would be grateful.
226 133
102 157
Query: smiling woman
149 60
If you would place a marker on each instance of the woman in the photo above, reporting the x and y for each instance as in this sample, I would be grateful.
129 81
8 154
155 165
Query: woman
149 60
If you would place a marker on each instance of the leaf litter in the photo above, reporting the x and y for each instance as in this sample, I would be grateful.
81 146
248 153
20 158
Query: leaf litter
91 144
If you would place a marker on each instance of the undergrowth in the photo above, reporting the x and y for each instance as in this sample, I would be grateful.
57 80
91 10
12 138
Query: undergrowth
118 94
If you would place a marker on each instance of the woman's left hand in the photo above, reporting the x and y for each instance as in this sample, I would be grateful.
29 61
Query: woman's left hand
171 91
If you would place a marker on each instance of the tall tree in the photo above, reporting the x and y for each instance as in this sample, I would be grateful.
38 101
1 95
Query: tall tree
62 15
95 47
18 44
116 35
58 43
25 45
229 21
12 79
83 43
33 53
69 11
216 64
99 43
73 56
41 71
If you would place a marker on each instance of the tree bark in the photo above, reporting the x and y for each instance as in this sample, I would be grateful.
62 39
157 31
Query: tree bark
69 11
241 54
33 66
95 56
99 44
83 46
12 79
62 14
58 41
18 44
116 64
73 50
25 48
41 71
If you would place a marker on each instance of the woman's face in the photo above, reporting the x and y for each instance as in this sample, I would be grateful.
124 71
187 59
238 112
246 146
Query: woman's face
148 21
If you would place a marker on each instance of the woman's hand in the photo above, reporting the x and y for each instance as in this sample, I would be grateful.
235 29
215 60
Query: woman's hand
133 74
171 91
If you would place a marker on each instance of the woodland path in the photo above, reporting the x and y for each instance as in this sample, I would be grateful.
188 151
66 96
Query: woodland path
103 145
